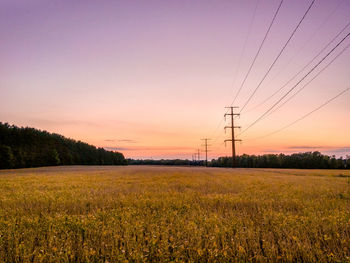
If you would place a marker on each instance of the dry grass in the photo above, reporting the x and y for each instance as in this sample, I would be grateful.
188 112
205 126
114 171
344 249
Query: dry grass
161 214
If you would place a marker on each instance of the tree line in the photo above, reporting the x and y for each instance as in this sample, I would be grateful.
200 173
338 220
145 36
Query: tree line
306 160
22 147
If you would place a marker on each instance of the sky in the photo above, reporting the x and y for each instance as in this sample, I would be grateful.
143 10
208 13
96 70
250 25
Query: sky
152 78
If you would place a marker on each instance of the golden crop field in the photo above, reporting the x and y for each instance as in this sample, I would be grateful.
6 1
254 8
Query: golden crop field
174 214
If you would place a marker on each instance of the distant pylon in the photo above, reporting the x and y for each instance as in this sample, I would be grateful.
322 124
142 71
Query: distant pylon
206 149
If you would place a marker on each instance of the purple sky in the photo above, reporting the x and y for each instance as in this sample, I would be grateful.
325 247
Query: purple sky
152 78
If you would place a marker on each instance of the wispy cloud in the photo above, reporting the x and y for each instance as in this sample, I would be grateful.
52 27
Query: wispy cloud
341 150
323 148
127 140
116 148
329 150
121 140
306 147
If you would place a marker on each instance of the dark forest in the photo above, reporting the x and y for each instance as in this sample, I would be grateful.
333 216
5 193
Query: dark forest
29 147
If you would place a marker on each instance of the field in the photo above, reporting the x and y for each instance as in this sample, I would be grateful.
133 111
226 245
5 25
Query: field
179 214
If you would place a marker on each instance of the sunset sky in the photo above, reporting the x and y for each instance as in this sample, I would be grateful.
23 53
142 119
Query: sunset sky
151 78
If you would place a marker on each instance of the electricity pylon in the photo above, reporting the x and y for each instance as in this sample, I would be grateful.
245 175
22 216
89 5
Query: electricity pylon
232 127
206 149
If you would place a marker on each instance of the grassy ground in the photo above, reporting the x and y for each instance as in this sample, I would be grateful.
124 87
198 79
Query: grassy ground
161 214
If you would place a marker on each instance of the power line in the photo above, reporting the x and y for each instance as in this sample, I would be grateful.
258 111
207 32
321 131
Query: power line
304 116
278 56
240 57
217 128
245 43
253 62
258 52
290 90
284 67
303 87
308 64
